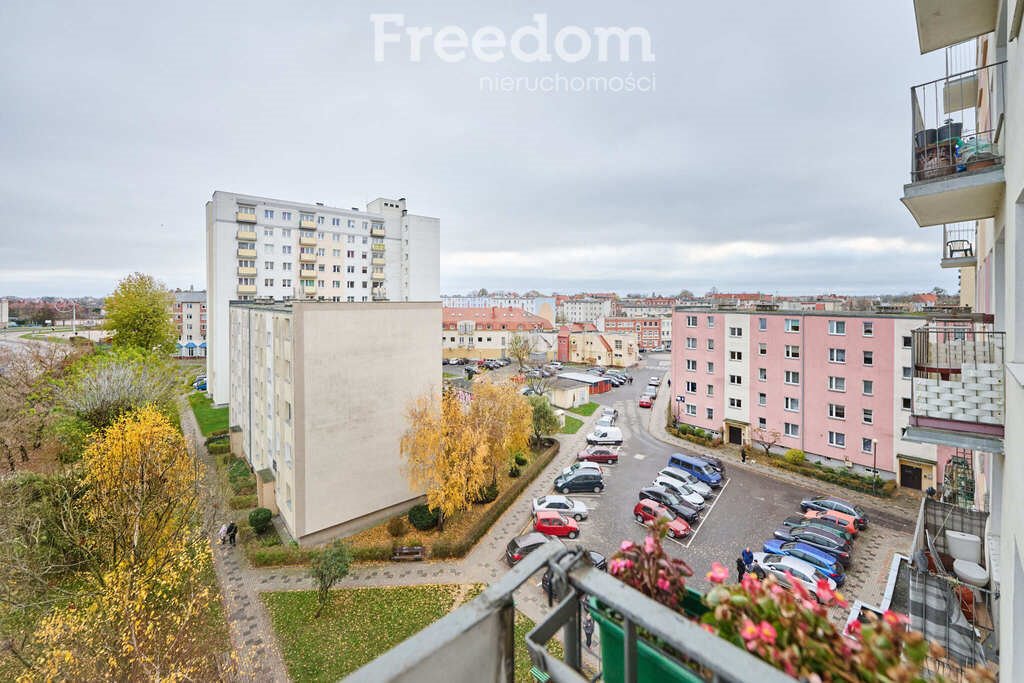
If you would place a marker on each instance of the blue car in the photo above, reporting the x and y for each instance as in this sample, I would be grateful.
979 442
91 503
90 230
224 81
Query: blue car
200 385
822 561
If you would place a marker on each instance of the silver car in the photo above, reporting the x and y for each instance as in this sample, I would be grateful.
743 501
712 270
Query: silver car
563 504
682 490
691 481
802 571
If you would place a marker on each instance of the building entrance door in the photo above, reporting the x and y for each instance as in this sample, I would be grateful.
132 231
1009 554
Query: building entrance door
910 476
736 435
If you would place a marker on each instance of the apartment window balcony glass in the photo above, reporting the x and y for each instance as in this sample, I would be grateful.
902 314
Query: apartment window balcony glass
307 258
377 231
957 141
307 241
377 247
377 261
246 253
246 235
959 242
245 215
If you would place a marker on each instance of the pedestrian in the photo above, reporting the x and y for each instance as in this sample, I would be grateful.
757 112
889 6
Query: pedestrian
747 557
741 569
743 453
588 628
232 532
223 533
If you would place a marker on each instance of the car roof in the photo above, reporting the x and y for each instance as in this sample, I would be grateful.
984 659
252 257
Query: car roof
811 550
548 514
532 538
557 498
796 563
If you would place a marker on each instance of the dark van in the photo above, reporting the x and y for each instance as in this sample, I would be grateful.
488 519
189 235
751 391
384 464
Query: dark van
701 469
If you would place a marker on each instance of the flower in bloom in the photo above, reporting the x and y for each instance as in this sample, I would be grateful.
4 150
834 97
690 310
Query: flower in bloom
767 632
894 619
749 631
664 584
718 573
824 591
649 545
616 566
626 546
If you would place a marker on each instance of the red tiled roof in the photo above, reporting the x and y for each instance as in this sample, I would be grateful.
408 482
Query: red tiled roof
494 318
607 346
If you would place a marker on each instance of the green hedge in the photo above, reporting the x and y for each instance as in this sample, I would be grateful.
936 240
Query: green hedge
844 478
281 555
219 447
242 502
457 547
693 435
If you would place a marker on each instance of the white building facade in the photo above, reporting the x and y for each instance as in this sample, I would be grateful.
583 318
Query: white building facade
190 319
584 310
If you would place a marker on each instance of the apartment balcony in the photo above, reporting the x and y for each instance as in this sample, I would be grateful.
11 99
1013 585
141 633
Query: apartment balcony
377 247
377 277
309 291
377 261
957 390
307 258
247 253
476 642
307 224
377 231
307 241
957 147
941 23
246 235
245 216
246 271
959 242
246 289
379 294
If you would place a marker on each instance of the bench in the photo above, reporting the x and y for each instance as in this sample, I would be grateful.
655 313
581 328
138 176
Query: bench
405 553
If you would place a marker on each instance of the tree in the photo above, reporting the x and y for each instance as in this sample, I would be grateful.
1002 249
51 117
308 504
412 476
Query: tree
685 294
544 420
502 415
767 439
445 454
327 567
519 349
139 314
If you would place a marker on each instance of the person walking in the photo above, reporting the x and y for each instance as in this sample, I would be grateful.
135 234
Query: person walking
588 628
223 533
232 532
741 569
747 557
743 453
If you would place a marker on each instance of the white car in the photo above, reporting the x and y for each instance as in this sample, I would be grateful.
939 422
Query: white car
605 421
581 465
654 381
691 481
804 572
555 364
610 412
605 436
563 504
682 490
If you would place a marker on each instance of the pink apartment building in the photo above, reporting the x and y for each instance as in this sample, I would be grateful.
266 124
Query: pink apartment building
836 386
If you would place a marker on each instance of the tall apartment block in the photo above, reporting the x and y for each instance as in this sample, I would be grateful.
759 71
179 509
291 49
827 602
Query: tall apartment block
190 319
966 184
261 248
836 386
318 410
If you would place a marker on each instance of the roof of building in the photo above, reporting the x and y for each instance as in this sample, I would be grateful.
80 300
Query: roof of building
190 296
493 317
584 377
578 327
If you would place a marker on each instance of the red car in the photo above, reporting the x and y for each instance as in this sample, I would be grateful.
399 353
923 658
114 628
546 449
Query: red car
554 524
605 454
645 402
647 511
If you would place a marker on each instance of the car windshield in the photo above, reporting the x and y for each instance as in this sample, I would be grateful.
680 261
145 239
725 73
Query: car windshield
667 514
542 501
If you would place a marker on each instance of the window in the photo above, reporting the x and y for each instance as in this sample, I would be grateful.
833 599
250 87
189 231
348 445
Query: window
336 284
335 268
268 248
908 342
836 411
790 429
836 383
837 439
837 355
286 215
792 324
868 416
336 222
735 403
286 266
762 349
691 387
286 232
762 324
711 321
350 254
792 377
268 282
268 213
869 358
286 283
691 321
762 399
837 327
268 232
792 351
321 252
905 403
286 249
350 284
866 445
869 329
711 344
269 265
762 423
710 412
762 374
691 409
691 365
735 331
868 388
711 368
691 342
735 379
711 390
792 404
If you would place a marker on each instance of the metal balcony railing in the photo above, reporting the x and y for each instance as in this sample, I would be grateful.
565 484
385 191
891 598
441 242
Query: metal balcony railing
958 377
475 643
957 122
959 244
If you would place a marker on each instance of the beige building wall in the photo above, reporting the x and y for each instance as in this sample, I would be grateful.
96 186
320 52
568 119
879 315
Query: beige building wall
968 277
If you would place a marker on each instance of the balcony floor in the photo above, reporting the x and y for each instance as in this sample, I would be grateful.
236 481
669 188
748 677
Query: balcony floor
955 198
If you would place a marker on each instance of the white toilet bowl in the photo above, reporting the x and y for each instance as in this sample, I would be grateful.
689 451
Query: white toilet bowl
971 573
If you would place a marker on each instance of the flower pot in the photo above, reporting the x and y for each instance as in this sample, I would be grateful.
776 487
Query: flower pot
925 137
653 663
950 130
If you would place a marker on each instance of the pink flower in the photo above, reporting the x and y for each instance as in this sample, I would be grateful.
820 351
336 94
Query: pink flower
649 544
797 586
664 584
616 566
767 632
824 591
749 631
626 546
718 573
750 583
895 619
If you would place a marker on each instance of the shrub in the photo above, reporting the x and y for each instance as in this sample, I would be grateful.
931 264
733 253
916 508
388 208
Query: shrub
396 526
242 502
219 447
216 436
487 494
259 519
889 487
270 541
277 555
371 553
514 472
700 432
422 517
795 456
521 459
238 469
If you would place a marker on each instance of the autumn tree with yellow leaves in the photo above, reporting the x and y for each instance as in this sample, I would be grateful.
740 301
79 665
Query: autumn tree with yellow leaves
504 418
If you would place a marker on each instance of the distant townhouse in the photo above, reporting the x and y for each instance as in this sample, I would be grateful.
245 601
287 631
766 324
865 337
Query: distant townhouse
486 332
189 316
584 343
740 299
837 387
647 330
544 306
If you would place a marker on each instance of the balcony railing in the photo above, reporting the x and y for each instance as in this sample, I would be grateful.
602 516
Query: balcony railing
245 216
246 289
959 245
379 294
307 241
476 642
377 231
377 247
307 224
377 261
958 378
246 271
246 235
307 258
247 253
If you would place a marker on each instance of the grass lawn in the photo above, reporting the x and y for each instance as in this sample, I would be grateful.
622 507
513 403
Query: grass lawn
523 626
210 419
585 409
572 425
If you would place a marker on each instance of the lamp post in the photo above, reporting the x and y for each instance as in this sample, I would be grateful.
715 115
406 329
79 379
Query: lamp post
874 466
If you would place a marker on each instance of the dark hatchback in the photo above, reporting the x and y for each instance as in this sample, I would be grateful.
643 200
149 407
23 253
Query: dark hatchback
819 538
660 494
583 480
837 505
521 546
798 520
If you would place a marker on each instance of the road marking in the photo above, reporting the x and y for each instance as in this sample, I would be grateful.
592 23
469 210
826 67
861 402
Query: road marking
707 513
639 456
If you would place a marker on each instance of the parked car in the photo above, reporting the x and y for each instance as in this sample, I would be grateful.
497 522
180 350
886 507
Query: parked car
679 488
596 371
697 467
819 538
716 463
660 494
610 412
647 511
199 385
678 475
819 559
654 381
555 524
605 436
606 454
615 380
597 559
798 520
651 390
582 480
645 401
521 546
579 465
840 520
838 505
688 479
571 507
605 421
783 567
556 364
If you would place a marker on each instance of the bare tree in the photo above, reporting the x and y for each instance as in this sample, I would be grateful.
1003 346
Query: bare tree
520 347
767 439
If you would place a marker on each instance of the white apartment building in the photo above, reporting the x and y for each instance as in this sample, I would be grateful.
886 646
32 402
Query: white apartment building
584 310
189 317
261 248
319 416
544 306
5 314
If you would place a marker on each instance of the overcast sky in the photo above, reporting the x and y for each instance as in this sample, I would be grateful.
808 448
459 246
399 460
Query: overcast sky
770 153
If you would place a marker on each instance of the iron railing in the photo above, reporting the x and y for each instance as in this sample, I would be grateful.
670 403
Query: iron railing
956 122
959 244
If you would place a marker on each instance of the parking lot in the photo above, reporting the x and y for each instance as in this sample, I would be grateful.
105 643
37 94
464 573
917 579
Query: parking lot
746 510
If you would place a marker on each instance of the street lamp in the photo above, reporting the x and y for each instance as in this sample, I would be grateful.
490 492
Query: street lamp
874 466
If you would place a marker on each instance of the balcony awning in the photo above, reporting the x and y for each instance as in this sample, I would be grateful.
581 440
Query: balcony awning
941 23
190 345
942 437
203 345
